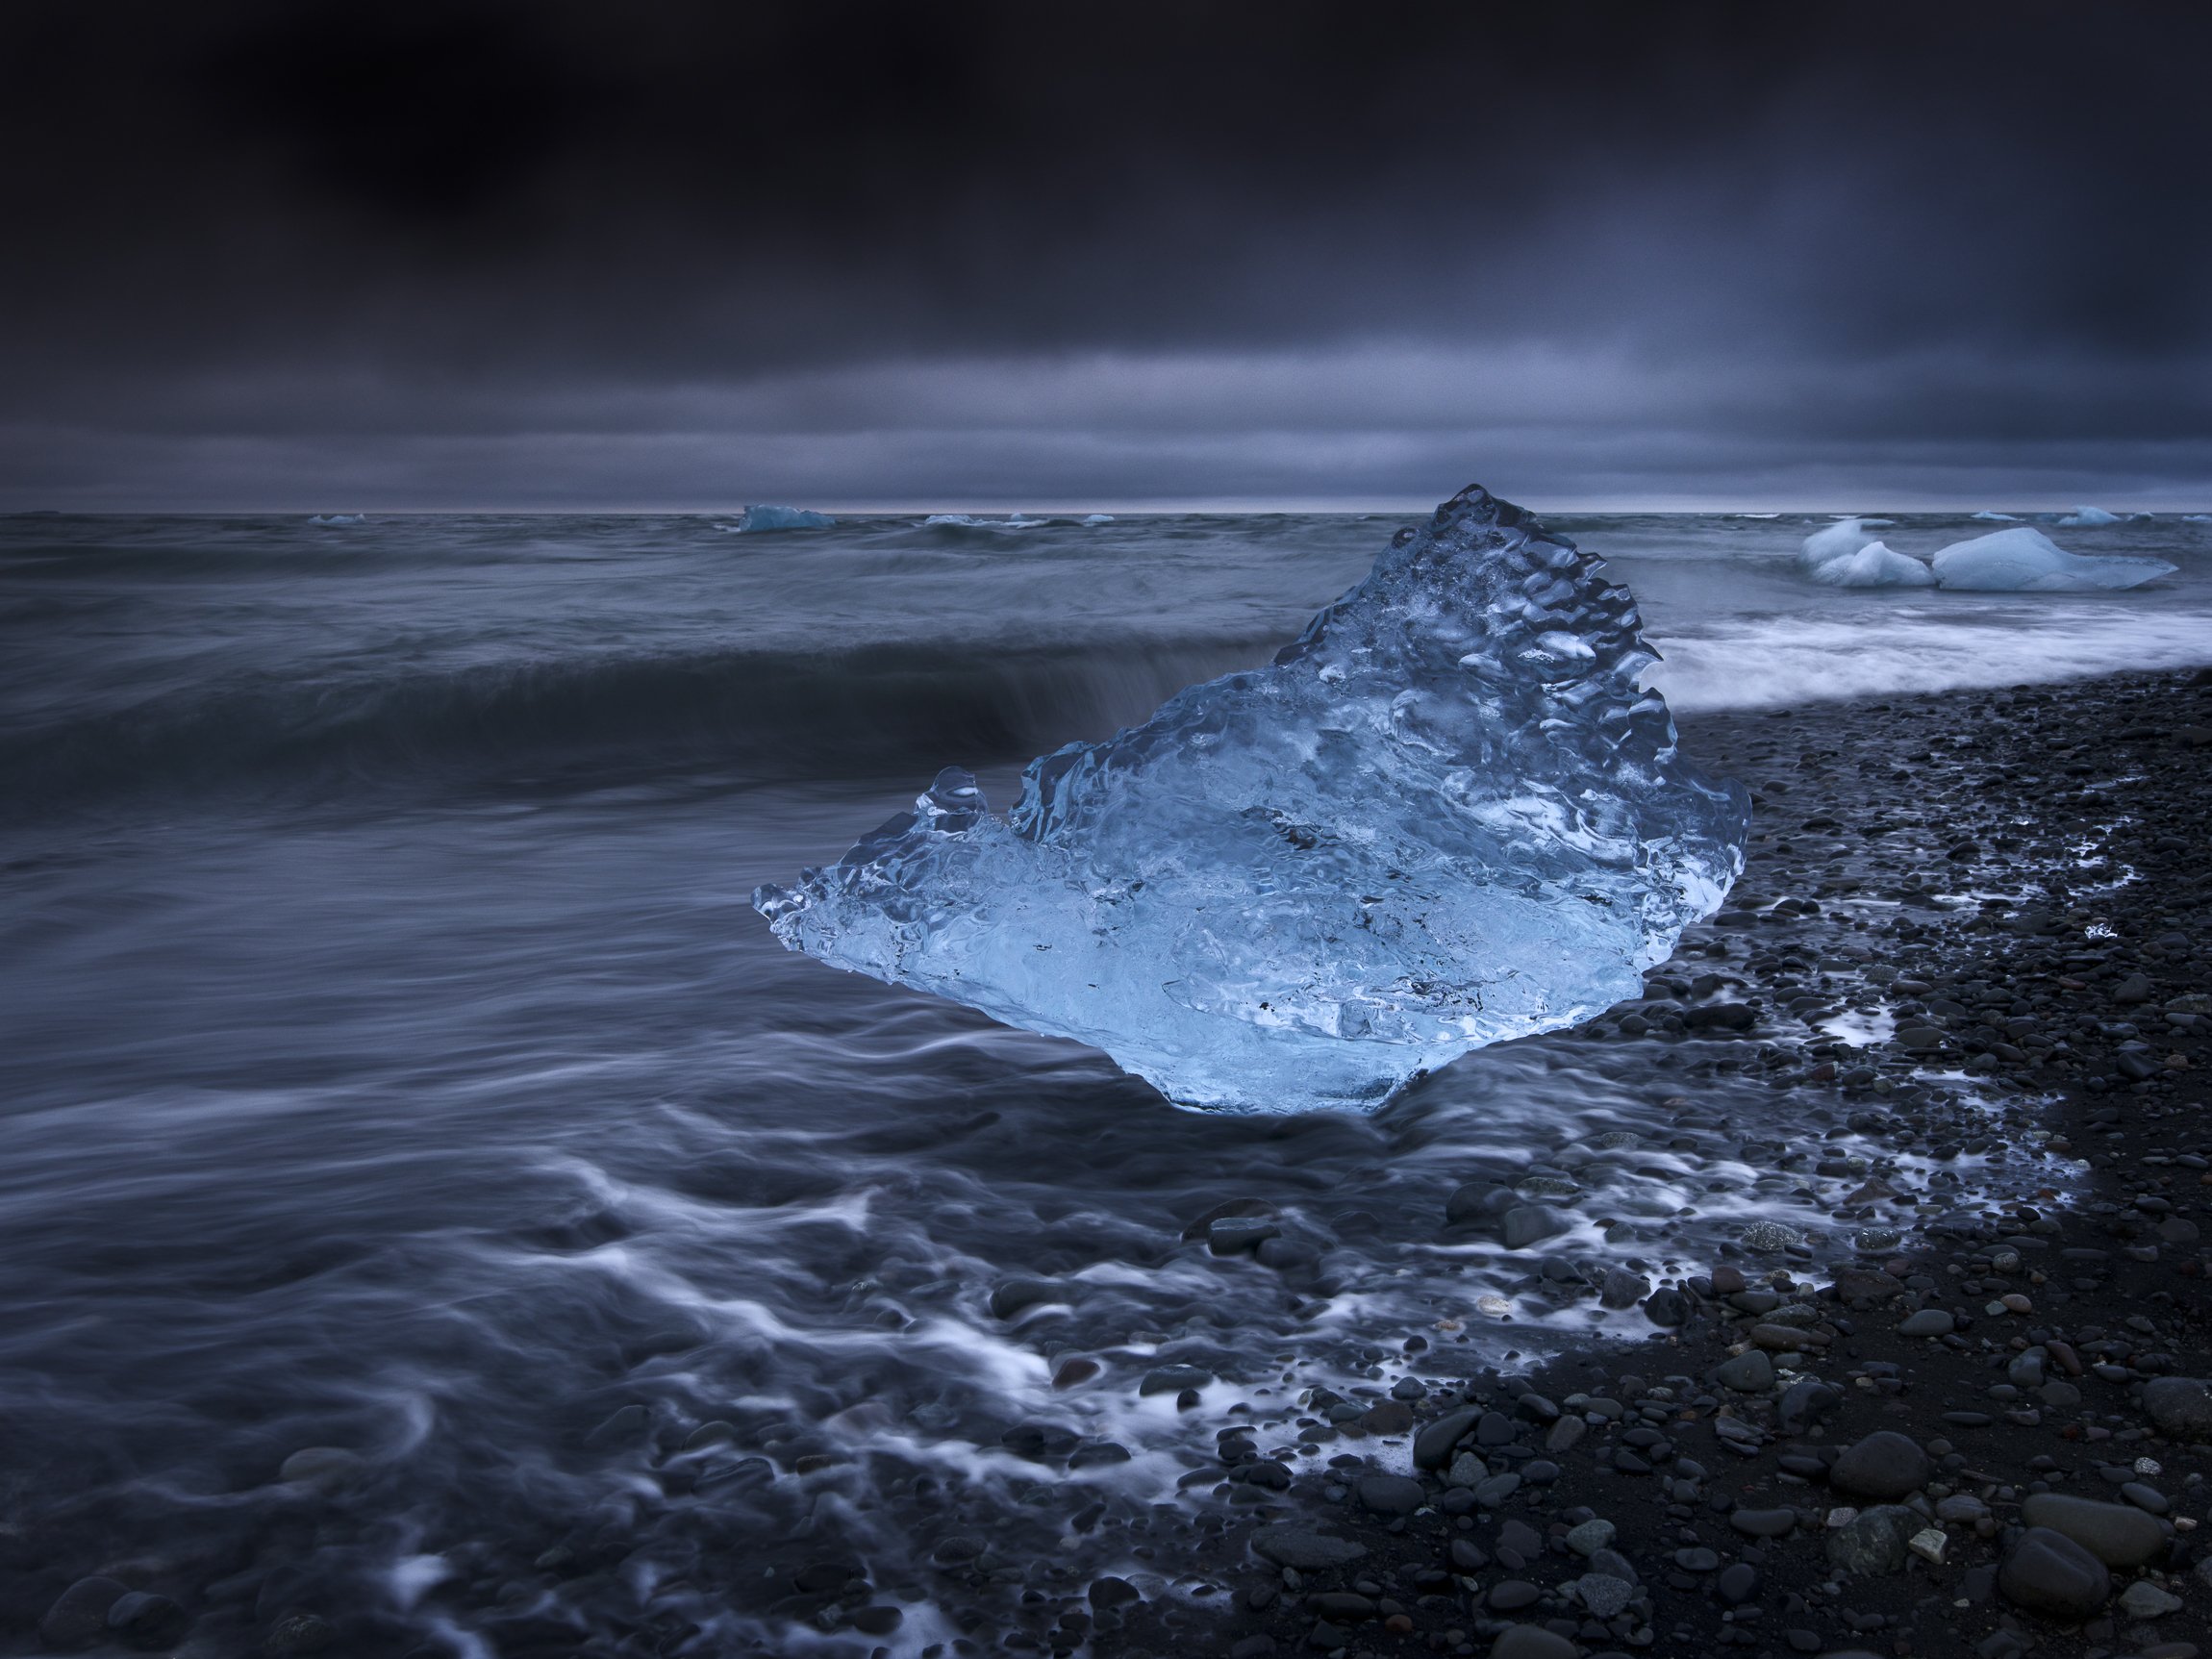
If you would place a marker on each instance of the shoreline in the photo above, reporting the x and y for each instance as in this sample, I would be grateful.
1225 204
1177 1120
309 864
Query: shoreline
1692 1486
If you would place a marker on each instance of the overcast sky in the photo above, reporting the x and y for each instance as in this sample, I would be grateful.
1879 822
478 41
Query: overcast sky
309 255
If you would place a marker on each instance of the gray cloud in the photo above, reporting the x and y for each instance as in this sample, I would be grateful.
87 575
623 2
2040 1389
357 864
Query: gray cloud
498 254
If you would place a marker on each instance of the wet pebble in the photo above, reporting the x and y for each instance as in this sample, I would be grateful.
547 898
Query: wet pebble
1884 1465
2046 1571
79 1616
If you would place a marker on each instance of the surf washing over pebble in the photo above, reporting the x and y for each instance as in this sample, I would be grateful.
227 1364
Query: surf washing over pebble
438 1207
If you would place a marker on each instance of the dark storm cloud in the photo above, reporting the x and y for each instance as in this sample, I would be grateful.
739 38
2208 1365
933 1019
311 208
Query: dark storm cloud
515 253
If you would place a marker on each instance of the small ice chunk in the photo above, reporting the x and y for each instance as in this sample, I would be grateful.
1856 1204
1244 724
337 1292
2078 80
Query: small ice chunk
1445 816
2024 560
2082 515
758 518
1875 566
339 518
1844 555
1098 519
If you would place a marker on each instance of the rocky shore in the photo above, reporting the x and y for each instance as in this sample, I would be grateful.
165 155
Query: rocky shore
1973 1420
1970 958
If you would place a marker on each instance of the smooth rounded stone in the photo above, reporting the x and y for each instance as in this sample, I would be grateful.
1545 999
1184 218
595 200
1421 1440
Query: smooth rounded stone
1927 1323
1622 1288
1467 1470
2117 1534
1737 1584
1763 1523
1234 1233
1391 1494
1805 1402
1604 1595
1591 1537
1386 1416
879 1620
1432 1446
1531 1225
324 1465
299 1633
1768 1237
1512 1594
1303 1548
2179 1407
1874 1541
1697 1559
1173 1380
1666 1308
2146 1497
1113 1592
1480 1202
2048 1572
1752 1372
1497 1490
2144 1599
79 1616
1885 1465
1566 1434
1017 1296
146 1621
1531 1641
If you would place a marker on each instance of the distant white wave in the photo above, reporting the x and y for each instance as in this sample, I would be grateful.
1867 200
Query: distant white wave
1773 662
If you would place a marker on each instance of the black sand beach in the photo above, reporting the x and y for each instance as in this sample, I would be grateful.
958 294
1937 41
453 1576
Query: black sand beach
1992 1381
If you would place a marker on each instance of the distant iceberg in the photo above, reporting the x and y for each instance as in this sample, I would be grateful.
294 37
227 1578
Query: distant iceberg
1989 518
2025 560
1843 555
1874 566
2196 517
339 519
1098 519
1446 816
756 520
2082 515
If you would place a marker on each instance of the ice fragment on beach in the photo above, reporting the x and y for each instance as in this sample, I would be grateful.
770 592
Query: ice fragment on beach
757 518
1445 816
2027 559
1845 555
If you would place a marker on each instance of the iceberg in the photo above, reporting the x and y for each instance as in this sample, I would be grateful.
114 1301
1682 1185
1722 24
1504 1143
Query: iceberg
1844 555
1989 518
2025 560
2082 515
1874 566
339 519
755 519
1445 816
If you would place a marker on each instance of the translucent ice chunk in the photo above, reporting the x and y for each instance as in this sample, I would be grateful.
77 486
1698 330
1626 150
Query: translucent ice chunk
1445 816
1844 555
766 517
2090 515
1875 566
2027 559
1989 518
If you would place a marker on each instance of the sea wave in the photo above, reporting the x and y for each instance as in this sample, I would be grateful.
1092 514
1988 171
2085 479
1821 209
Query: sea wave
877 710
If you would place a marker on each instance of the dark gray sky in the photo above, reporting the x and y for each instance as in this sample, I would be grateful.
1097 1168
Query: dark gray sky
320 255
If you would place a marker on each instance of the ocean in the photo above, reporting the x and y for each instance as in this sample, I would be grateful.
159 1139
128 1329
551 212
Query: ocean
395 1071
